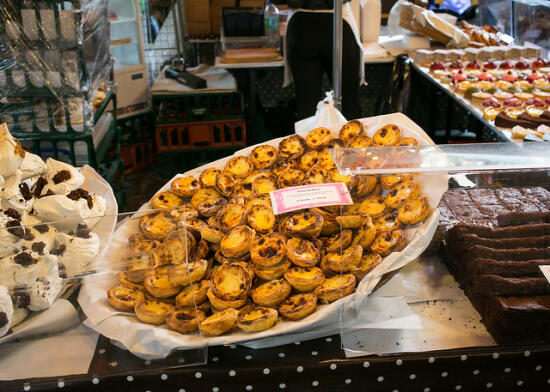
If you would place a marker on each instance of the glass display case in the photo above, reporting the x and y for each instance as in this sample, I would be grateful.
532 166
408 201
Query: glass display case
530 22
129 60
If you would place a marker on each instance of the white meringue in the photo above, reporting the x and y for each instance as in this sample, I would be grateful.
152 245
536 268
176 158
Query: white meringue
78 254
65 212
44 292
19 315
31 166
99 207
11 185
22 269
64 187
9 243
6 310
11 152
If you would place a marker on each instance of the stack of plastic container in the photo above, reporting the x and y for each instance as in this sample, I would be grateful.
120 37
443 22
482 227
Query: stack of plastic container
55 79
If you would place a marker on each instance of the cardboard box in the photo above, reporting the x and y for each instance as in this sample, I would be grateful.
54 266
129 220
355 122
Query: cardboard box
197 10
199 28
215 13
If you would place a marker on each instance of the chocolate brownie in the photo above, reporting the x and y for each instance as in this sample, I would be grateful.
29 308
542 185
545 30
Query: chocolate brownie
499 285
508 268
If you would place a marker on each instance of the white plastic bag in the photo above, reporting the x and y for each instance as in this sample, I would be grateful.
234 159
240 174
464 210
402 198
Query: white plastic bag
325 116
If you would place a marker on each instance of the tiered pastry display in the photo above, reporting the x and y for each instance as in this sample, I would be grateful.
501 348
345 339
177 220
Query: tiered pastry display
36 255
248 266
496 243
483 35
510 93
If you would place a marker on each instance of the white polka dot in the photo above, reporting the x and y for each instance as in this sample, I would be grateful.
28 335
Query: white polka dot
507 370
444 374
95 380
282 355
113 364
314 353
299 369
198 375
181 360
495 355
348 381
399 362
215 359
164 377
248 357
315 383
60 384
181 390
266 371
475 372
102 351
282 385
333 366
249 387
431 360
148 362
458 387
527 353
395 390
538 368
427 389
27 387
232 373
519 383
412 376
232 346
489 385
130 378
548 381
297 343
463 357
380 379
328 340
366 364
215 389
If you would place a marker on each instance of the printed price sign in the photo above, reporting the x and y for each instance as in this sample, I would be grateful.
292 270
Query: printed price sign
308 196
546 271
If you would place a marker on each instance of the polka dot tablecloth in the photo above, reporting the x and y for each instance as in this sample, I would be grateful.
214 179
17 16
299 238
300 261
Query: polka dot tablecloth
309 366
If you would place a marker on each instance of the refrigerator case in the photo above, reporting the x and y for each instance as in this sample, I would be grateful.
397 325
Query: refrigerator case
129 60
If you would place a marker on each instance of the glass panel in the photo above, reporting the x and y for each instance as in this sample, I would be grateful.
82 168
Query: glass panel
125 35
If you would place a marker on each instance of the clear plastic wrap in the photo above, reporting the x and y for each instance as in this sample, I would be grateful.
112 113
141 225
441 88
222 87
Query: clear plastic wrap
54 59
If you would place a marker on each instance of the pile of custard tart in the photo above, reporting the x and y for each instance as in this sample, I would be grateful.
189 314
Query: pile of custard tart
214 256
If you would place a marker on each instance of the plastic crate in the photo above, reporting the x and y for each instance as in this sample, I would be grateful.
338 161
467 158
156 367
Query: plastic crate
136 129
113 173
138 156
198 107
171 163
207 134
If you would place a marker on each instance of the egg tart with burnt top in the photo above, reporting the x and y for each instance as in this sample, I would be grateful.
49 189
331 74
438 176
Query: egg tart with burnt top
262 219
185 187
185 320
264 156
124 298
271 293
305 225
268 250
292 147
238 241
257 319
153 312
240 167
208 177
298 306
231 216
302 252
304 278
336 287
166 200
318 137
351 129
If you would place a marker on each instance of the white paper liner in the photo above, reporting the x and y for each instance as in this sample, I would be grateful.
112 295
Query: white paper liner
150 342
61 314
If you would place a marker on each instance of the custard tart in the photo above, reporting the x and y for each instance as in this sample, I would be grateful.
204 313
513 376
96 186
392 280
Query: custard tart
185 320
261 219
315 175
231 216
369 261
230 282
242 190
308 160
338 241
305 225
373 206
159 283
237 242
304 278
335 176
210 234
272 272
414 211
152 312
124 298
336 287
290 177
220 323
268 250
257 319
360 141
264 185
264 156
185 187
325 160
281 165
124 281
156 226
388 135
177 248
208 177
193 294
351 129
387 222
271 293
352 221
204 194
298 306
221 304
258 200
240 167
185 274
302 252
226 183
318 137
345 261
388 242
387 182
292 147
363 185
166 200
138 242
365 235
400 193
202 250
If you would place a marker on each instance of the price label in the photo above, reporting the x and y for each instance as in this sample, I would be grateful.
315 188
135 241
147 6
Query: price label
545 271
308 196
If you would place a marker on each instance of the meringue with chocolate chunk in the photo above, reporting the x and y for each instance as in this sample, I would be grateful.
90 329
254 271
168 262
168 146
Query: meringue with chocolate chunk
11 152
22 201
43 292
10 188
76 252
11 232
22 269
65 212
6 310
32 166
61 178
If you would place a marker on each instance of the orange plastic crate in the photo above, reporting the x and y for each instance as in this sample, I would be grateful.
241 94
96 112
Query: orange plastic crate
206 134
138 156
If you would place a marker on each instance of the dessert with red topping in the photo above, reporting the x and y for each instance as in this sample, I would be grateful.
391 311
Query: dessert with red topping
436 66
492 102
490 65
510 77
534 76
538 63
537 102
473 65
505 65
521 65
459 76
456 65
485 76
512 102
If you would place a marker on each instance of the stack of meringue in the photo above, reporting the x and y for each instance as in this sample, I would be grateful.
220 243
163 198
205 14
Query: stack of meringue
44 232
